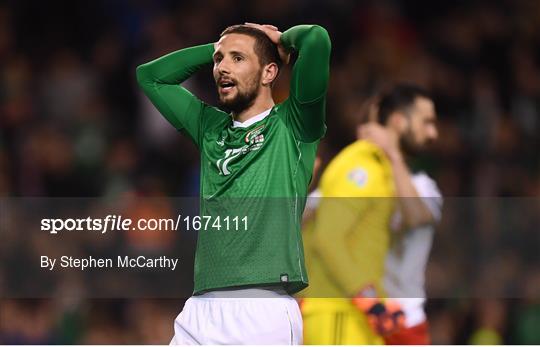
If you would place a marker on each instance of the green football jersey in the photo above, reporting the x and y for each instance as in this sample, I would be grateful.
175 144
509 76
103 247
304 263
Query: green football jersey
257 171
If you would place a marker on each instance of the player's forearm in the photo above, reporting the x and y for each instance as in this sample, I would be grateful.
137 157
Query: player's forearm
414 212
311 70
176 67
160 80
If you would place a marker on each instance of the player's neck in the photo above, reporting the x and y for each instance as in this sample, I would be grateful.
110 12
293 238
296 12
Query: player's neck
261 104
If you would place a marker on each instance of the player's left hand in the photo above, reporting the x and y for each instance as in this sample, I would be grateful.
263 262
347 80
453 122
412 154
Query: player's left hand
274 35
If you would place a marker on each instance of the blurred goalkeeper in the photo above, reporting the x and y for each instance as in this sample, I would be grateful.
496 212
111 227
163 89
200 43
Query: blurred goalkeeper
349 239
250 148
419 209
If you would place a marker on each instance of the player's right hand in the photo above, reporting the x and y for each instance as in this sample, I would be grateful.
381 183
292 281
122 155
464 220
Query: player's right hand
384 317
274 35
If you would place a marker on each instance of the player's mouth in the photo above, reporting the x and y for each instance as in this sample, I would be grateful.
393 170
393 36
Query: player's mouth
225 86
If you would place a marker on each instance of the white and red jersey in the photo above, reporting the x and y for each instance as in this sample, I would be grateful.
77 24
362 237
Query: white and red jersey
408 256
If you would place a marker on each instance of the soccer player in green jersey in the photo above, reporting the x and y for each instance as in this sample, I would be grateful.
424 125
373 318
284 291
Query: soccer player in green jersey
254 153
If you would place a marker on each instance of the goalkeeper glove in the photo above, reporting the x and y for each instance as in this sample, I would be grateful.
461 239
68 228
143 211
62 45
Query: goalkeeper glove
384 317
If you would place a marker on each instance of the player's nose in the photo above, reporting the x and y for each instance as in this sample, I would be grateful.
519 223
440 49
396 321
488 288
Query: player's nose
433 133
223 67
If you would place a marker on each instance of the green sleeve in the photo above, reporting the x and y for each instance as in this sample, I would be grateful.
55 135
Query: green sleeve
309 81
160 80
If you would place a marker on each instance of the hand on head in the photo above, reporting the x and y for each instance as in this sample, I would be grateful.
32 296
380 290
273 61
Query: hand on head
375 133
274 35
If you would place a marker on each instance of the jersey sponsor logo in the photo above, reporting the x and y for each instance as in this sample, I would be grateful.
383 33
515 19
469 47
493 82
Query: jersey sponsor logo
358 176
254 140
222 141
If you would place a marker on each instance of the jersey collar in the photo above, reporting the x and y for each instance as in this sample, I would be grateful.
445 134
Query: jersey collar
252 120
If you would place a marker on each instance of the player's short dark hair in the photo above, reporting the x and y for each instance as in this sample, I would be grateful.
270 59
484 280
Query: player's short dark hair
399 98
265 49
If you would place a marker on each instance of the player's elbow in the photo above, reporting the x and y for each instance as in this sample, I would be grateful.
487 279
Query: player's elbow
142 74
319 37
319 32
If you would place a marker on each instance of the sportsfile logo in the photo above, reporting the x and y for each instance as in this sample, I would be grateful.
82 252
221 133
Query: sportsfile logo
109 223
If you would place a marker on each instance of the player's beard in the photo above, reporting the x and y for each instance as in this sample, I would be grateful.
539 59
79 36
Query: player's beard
409 145
244 98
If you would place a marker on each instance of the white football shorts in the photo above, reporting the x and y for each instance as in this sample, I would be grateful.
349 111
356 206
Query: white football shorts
237 317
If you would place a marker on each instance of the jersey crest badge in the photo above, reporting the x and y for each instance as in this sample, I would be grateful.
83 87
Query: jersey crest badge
254 138
358 176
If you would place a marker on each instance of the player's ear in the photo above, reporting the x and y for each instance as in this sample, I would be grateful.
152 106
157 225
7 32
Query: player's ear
398 121
269 74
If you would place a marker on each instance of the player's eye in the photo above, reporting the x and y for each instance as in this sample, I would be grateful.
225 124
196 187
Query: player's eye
237 58
217 59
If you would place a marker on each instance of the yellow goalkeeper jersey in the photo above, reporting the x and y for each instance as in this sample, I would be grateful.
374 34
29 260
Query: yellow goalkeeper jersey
348 240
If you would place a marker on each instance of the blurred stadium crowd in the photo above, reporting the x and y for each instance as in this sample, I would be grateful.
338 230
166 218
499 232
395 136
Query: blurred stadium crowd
73 123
